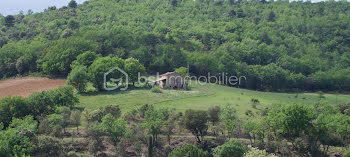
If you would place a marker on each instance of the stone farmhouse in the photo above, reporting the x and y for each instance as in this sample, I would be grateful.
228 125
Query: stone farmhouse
171 80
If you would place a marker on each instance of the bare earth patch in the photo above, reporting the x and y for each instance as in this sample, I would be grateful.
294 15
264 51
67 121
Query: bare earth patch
26 86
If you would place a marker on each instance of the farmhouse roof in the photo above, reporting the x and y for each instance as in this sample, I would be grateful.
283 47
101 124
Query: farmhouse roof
168 73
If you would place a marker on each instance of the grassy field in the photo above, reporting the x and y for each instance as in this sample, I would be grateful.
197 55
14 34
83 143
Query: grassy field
202 97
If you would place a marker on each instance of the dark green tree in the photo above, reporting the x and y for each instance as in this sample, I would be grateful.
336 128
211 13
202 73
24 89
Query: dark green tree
196 123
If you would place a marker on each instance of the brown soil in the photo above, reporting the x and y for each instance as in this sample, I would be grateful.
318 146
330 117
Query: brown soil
25 86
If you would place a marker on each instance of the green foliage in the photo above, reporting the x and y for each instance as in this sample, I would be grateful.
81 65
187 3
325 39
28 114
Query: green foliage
196 122
296 119
65 112
101 66
78 78
153 122
188 151
114 110
85 59
214 114
75 119
72 4
224 38
251 128
114 128
134 68
229 117
344 108
37 104
182 71
17 139
255 152
233 148
55 119
156 89
9 21
59 57
347 152
49 146
16 107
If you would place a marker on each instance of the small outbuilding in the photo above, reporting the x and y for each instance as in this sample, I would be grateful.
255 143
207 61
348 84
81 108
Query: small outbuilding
171 80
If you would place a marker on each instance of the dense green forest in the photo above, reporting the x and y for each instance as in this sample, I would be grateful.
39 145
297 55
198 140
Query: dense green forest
277 45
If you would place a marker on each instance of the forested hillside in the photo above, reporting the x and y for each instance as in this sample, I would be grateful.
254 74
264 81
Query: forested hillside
277 45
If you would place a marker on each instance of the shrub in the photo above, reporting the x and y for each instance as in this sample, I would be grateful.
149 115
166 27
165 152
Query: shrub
255 152
49 146
188 87
78 78
156 89
347 153
188 151
112 109
232 148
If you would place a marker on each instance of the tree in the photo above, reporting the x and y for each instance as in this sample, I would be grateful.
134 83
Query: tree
75 119
188 151
78 78
85 59
55 119
21 65
233 148
153 122
115 129
72 4
296 119
170 125
114 110
101 66
48 146
229 117
250 128
72 24
271 16
133 68
59 57
18 139
214 114
9 21
63 96
65 112
196 123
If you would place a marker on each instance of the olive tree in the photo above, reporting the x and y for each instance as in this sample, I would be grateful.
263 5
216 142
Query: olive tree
196 123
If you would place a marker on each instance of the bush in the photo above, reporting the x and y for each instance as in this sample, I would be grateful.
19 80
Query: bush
232 148
78 78
188 87
347 153
112 109
188 151
255 152
49 146
156 89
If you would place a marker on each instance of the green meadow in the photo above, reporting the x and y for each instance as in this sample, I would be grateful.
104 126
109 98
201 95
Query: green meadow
201 97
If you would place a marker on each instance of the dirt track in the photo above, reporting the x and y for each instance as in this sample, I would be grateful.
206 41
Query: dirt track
25 86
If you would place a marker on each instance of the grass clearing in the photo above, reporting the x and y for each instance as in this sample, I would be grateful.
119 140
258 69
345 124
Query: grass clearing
202 97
